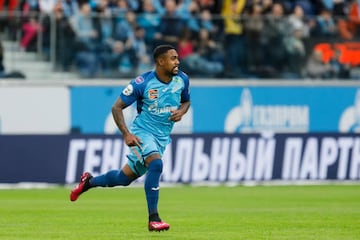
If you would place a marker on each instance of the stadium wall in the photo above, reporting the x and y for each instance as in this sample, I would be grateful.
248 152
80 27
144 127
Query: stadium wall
194 158
236 131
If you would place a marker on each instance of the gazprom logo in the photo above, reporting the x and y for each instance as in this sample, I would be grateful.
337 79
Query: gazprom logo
247 117
350 118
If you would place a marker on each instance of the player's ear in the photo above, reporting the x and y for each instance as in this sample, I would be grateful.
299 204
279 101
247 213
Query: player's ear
161 60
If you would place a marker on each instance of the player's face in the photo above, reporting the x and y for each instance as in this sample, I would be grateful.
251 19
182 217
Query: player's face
172 62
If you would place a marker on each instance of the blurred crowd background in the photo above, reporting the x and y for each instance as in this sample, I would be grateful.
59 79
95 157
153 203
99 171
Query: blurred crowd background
247 39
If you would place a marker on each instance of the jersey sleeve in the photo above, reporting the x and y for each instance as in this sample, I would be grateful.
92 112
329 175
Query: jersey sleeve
133 91
185 94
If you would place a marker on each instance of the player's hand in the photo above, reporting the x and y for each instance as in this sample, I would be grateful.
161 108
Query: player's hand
132 140
176 115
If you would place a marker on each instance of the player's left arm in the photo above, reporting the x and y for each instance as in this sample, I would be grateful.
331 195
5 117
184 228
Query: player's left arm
176 115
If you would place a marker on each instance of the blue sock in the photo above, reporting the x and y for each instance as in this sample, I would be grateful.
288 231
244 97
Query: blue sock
152 185
111 179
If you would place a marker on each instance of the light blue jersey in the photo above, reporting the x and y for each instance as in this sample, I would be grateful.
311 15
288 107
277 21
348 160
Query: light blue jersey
155 100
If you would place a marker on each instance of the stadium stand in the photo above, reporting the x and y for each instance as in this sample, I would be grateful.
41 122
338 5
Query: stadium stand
260 39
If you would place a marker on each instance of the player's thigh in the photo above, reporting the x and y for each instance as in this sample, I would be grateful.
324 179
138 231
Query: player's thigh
129 172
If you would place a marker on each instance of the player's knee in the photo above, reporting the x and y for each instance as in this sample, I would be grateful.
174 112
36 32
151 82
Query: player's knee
156 165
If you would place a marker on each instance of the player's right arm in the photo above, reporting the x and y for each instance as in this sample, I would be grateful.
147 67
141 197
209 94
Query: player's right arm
118 115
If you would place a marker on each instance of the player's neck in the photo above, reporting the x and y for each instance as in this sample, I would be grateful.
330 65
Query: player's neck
164 77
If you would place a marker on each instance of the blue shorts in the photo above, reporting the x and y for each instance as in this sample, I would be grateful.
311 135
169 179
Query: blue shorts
150 145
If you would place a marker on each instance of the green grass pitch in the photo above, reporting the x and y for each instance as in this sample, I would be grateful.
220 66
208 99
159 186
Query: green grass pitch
319 212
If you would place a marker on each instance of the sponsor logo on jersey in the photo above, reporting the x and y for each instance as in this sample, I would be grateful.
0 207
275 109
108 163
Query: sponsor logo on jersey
128 90
153 93
139 80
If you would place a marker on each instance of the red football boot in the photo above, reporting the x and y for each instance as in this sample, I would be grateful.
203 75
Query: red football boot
158 226
83 186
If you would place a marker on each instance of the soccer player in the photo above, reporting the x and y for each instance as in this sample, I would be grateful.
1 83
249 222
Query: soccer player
162 98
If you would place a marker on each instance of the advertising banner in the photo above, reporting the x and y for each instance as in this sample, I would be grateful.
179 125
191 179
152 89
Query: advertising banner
214 109
188 159
34 110
235 109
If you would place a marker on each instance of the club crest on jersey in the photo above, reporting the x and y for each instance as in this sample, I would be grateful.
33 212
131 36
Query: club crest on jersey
139 80
153 93
128 90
